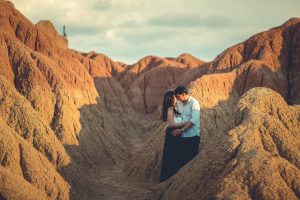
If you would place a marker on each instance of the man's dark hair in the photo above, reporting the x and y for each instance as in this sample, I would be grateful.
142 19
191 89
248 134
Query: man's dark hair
181 90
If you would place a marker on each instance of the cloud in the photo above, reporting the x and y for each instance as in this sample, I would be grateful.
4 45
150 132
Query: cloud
83 30
144 35
189 20
127 30
98 5
130 45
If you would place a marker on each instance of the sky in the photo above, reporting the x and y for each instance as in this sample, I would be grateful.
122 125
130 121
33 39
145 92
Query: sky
128 30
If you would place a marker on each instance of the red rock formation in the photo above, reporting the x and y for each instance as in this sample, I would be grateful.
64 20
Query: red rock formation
30 153
187 59
102 60
237 156
255 160
67 123
49 29
74 95
147 80
276 49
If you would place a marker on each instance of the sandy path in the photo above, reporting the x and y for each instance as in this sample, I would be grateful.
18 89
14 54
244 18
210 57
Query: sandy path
109 182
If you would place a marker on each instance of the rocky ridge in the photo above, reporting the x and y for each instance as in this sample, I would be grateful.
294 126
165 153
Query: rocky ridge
82 126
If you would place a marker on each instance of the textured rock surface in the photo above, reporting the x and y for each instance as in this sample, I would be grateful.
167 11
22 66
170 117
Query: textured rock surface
30 153
189 60
69 126
69 95
219 87
256 159
277 51
49 29
146 81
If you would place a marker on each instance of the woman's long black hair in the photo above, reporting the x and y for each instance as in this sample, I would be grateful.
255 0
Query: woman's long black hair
167 103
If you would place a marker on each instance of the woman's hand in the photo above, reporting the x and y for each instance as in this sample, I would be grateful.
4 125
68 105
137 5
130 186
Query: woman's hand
177 132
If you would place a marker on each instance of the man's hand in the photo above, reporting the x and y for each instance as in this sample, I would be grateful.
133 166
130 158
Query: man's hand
177 132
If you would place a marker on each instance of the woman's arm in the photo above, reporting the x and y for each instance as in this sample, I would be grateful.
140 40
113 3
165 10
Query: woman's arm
172 124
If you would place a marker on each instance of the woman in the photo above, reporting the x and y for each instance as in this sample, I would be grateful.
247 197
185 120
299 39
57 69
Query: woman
171 152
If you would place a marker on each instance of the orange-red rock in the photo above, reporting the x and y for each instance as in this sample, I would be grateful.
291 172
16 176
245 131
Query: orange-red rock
82 126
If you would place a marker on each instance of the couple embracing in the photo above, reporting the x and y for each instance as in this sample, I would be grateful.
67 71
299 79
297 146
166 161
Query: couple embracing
181 112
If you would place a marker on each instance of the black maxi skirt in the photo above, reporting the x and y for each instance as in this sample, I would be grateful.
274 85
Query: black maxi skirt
171 159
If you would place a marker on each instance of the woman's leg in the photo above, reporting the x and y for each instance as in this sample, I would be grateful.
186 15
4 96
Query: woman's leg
170 164
167 157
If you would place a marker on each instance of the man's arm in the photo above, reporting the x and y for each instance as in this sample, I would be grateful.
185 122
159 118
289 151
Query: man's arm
177 132
195 115
179 125
195 119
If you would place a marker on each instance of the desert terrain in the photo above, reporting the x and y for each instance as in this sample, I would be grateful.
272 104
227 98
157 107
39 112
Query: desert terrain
79 125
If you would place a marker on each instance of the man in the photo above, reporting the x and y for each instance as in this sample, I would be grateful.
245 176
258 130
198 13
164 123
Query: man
189 108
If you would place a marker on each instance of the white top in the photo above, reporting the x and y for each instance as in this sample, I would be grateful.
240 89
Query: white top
172 118
177 119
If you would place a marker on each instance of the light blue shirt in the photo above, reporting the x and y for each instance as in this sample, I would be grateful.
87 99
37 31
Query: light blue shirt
190 111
